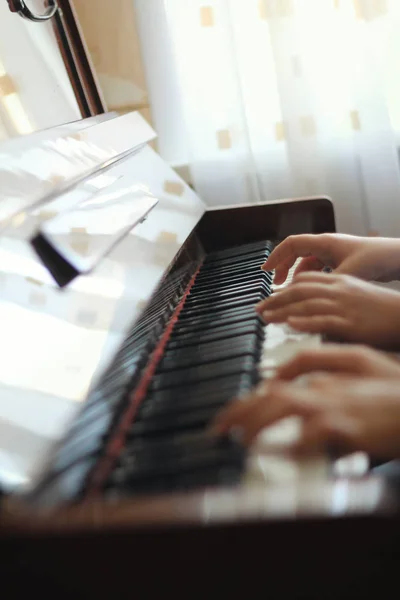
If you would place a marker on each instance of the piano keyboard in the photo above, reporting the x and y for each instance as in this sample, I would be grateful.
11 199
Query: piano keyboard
218 349
267 462
145 429
211 356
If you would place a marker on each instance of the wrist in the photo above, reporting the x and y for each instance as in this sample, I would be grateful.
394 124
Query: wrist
389 260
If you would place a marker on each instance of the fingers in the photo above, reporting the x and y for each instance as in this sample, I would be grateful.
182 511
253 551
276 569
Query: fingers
297 292
330 432
333 359
328 381
294 247
282 271
316 277
321 406
258 412
309 264
284 257
307 308
331 325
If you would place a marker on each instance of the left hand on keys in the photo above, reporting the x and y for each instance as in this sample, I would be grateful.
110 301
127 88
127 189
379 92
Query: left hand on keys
339 414
339 306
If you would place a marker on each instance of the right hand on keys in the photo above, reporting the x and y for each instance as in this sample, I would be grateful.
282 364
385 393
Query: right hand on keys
373 259
339 306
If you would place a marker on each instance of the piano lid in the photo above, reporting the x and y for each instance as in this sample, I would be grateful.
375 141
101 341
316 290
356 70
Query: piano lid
55 343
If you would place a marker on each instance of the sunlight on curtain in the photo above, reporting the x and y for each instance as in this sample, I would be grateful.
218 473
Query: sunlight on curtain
267 99
14 115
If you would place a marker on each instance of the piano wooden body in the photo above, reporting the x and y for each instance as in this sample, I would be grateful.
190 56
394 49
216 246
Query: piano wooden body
81 321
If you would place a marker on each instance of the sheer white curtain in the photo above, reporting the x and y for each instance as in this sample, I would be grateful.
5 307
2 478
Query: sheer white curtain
267 99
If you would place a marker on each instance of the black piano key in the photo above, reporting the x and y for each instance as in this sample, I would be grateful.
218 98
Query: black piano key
222 281
213 346
229 309
220 295
216 462
208 320
157 448
221 273
110 396
238 270
224 266
204 278
213 352
209 463
188 402
83 443
196 419
237 255
220 475
252 257
204 373
240 250
239 281
231 385
102 409
67 484
205 451
225 474
176 408
222 306
117 380
175 447
208 323
252 327
184 402
212 282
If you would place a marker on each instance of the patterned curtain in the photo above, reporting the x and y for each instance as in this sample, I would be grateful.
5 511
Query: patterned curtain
266 99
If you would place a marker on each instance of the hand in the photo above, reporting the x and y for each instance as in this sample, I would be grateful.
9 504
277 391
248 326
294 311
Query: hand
339 306
376 259
339 415
346 361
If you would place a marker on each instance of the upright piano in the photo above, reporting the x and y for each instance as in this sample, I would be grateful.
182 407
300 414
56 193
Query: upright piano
127 322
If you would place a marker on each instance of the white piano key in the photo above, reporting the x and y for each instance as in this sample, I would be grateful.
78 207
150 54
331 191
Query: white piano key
269 462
